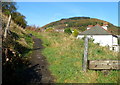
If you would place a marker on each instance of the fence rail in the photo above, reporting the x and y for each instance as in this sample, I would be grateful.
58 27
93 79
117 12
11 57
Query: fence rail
104 64
98 64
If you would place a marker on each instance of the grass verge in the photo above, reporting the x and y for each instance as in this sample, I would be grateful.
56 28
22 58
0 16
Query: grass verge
64 54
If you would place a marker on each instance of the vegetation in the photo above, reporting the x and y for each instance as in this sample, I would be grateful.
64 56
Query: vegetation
68 31
75 33
15 48
80 23
64 54
49 29
15 56
10 8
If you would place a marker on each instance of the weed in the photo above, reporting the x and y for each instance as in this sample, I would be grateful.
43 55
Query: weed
64 54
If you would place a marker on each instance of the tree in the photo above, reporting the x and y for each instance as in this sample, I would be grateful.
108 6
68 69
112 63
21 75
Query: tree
19 19
9 8
75 33
68 31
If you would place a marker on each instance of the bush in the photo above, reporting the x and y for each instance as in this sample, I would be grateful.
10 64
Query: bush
68 31
75 33
91 39
49 29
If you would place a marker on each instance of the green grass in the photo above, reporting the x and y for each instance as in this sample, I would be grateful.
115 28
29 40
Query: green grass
20 41
64 54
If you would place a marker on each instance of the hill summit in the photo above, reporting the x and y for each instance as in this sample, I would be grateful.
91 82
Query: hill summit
79 23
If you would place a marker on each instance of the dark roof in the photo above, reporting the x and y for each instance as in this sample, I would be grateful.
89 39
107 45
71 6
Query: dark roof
96 30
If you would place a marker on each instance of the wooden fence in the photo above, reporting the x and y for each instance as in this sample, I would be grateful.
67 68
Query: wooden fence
98 64
104 64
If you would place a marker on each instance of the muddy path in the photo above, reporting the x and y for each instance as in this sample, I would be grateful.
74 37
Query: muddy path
40 64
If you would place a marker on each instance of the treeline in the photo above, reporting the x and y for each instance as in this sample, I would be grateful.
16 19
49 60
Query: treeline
10 8
76 18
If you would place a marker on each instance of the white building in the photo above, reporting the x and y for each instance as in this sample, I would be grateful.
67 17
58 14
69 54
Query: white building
101 35
59 30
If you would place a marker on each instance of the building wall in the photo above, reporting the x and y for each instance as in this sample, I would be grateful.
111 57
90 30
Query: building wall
59 30
115 41
104 40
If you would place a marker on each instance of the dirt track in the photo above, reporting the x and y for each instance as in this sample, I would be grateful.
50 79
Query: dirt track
39 62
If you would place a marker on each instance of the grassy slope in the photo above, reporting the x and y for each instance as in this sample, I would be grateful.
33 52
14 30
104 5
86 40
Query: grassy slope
17 38
23 39
64 54
22 34
20 43
80 24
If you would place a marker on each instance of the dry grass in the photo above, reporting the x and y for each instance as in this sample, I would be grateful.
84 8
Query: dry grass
64 54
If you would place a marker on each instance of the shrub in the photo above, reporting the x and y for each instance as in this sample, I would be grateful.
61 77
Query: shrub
75 33
68 31
49 29
91 40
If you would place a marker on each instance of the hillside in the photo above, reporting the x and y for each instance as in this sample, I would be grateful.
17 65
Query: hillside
59 51
79 23
15 35
30 56
15 50
64 54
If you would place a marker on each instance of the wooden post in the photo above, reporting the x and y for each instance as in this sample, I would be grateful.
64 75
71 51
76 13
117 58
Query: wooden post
7 27
85 59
